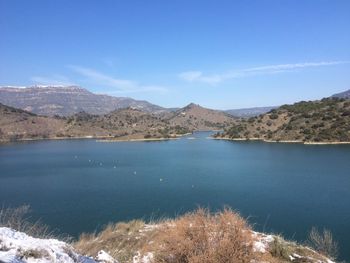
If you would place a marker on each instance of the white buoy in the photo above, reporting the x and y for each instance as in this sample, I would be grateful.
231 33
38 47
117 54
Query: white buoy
135 172
160 179
115 167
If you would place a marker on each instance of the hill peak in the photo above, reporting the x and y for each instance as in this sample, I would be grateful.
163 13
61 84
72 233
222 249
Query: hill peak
192 106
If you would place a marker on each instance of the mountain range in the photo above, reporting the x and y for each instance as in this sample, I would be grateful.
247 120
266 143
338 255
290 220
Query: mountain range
68 100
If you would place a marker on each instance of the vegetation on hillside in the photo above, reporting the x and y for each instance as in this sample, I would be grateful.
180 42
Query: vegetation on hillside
327 120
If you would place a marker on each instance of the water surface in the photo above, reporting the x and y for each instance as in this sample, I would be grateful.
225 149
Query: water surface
80 185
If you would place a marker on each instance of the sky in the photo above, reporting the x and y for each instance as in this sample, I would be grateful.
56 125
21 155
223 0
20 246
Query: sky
219 54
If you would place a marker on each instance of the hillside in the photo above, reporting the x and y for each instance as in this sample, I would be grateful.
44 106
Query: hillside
16 124
124 123
195 117
68 100
327 120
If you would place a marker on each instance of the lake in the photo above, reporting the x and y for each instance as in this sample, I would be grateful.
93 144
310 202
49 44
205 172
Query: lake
80 185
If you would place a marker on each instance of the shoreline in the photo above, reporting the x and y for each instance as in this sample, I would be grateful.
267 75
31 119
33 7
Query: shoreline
137 140
283 141
97 138
172 137
54 139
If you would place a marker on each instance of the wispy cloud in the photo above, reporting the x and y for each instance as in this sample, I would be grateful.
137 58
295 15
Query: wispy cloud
199 76
118 85
52 80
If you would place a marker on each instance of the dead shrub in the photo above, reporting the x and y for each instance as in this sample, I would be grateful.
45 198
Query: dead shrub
323 242
202 237
18 219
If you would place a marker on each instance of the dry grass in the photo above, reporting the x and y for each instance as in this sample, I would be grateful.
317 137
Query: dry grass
202 237
18 219
323 242
281 249
121 240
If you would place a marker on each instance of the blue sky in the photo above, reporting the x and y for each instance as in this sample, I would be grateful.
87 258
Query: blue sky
220 54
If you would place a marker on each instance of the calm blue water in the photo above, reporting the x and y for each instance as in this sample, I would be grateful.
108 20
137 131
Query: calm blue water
284 188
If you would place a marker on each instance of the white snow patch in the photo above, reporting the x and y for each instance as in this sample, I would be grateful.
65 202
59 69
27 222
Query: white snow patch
262 242
296 255
18 247
103 256
143 258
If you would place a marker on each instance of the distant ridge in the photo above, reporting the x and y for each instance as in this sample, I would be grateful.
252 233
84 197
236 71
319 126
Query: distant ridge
342 95
250 112
68 100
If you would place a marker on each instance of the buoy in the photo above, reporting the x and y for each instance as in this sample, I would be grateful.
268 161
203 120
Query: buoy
135 172
115 167
161 179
